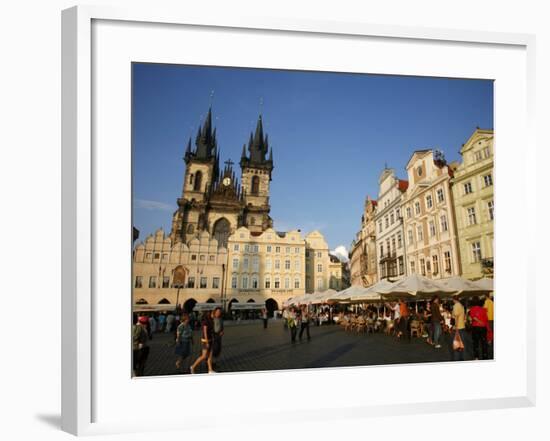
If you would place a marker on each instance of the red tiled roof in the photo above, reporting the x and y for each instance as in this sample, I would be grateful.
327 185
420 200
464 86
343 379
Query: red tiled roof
403 185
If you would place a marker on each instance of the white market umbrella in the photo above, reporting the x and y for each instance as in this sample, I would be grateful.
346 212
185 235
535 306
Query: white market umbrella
485 284
360 294
462 286
414 286
318 298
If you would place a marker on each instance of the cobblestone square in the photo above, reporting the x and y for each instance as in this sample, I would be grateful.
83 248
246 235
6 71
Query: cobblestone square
249 347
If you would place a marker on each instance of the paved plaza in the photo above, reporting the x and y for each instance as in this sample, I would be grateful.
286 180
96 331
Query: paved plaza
249 347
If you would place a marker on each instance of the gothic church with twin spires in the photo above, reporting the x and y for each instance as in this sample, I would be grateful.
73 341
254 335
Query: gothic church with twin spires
213 199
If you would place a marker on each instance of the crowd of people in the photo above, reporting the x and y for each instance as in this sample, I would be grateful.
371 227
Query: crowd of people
430 320
182 325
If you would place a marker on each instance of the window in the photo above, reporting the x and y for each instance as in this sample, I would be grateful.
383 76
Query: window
393 244
244 282
447 257
440 195
399 240
255 248
429 202
428 266
277 283
476 252
381 250
386 222
267 282
392 218
410 234
319 254
254 282
487 152
491 209
297 265
287 250
191 282
320 268
401 266
202 257
287 264
139 282
397 214
419 233
423 266
268 264
320 284
215 282
471 216
412 267
255 263
166 281
296 283
148 256
235 264
255 185
197 183
287 283
269 248
432 228
247 248
297 250
152 282
468 188
164 257
234 282
277 249
277 264
193 257
245 263
435 261
236 247
212 257
157 256
380 226
204 281
388 246
417 207
488 180
444 226
478 156
409 212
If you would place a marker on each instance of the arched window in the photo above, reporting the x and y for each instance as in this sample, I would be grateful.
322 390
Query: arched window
252 221
198 181
221 231
255 187
191 178
190 229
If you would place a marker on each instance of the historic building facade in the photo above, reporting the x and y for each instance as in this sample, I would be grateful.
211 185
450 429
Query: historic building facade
430 233
389 226
363 264
222 246
473 195
265 266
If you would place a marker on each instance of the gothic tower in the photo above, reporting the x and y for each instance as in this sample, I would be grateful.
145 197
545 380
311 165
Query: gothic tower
255 179
201 174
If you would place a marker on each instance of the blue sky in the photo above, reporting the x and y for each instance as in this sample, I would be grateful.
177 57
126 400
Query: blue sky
332 134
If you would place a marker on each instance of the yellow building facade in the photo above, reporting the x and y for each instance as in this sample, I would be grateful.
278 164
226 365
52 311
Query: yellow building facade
473 195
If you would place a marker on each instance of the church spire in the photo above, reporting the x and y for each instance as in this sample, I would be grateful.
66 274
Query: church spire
206 142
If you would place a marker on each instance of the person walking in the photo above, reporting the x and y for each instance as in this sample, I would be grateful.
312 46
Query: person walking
436 321
162 322
184 340
207 329
217 334
140 346
480 322
304 323
285 318
292 321
264 317
152 325
404 321
169 322
459 346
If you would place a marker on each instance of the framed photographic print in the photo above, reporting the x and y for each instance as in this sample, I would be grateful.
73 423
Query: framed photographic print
275 207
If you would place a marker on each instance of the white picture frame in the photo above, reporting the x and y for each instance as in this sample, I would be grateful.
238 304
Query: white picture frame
82 200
